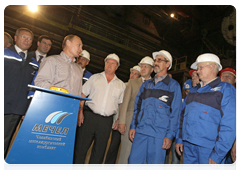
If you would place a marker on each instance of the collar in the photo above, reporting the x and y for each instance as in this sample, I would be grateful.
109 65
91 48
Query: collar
103 74
38 54
166 79
19 50
213 83
143 79
66 58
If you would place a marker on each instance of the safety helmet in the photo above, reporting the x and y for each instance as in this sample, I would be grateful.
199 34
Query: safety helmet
114 57
230 70
187 85
207 57
135 68
85 54
164 53
146 60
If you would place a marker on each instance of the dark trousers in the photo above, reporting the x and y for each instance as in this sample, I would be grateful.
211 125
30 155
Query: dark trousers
95 127
113 148
10 124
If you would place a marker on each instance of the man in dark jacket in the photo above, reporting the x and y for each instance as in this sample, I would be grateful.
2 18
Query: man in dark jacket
20 68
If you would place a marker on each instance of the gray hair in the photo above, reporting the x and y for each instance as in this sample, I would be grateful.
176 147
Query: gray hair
23 29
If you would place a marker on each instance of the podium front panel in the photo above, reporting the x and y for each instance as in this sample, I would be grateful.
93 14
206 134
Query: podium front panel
47 134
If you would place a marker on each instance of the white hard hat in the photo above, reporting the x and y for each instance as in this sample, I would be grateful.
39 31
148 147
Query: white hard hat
135 68
114 57
146 60
85 54
165 54
207 57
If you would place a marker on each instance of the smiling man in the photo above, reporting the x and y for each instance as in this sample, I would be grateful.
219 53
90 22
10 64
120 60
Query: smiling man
61 70
207 125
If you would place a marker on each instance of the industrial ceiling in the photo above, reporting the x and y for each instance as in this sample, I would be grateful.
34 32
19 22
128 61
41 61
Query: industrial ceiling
133 31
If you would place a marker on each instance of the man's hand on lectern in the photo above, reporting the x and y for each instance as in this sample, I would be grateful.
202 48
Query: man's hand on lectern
80 118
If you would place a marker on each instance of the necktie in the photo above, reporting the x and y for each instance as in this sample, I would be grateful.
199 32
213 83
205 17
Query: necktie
22 55
40 59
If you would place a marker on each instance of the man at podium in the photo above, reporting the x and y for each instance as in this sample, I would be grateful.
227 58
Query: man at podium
61 70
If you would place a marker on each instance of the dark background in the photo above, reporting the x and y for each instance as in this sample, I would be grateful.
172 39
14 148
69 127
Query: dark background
134 31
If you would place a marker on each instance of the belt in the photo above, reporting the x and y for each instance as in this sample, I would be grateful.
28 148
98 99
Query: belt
86 108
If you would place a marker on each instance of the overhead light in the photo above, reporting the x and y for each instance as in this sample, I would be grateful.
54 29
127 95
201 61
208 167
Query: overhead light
32 8
172 15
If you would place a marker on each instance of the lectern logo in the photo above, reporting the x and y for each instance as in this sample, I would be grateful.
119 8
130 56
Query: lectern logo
56 117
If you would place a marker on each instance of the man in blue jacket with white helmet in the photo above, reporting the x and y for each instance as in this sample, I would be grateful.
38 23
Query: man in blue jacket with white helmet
154 122
83 60
207 125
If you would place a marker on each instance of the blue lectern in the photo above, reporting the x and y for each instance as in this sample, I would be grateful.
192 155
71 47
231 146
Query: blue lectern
47 134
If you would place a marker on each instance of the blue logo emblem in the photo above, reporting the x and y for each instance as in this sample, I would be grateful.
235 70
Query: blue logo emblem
56 117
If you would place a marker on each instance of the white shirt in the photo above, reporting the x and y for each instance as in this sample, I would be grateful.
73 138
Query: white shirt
143 79
19 50
38 55
105 96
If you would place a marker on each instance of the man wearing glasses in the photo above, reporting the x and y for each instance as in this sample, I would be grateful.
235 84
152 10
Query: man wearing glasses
207 125
154 122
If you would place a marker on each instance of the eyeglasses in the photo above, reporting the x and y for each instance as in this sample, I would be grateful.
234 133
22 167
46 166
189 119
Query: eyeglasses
159 60
25 37
201 67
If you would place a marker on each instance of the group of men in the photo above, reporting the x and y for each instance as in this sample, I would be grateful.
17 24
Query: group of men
145 115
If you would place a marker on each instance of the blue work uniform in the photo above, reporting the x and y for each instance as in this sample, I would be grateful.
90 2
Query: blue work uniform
207 125
156 112
86 76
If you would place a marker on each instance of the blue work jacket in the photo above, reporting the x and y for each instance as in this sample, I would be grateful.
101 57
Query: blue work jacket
209 118
157 107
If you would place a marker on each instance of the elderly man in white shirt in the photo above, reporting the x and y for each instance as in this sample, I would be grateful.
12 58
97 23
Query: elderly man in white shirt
106 92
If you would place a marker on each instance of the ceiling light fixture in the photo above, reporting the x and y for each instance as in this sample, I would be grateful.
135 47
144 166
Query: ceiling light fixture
172 15
32 8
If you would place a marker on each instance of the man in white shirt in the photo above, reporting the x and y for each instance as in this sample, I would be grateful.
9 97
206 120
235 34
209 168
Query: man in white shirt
106 92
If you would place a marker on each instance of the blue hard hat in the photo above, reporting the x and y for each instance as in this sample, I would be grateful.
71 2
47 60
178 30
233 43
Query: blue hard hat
187 85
